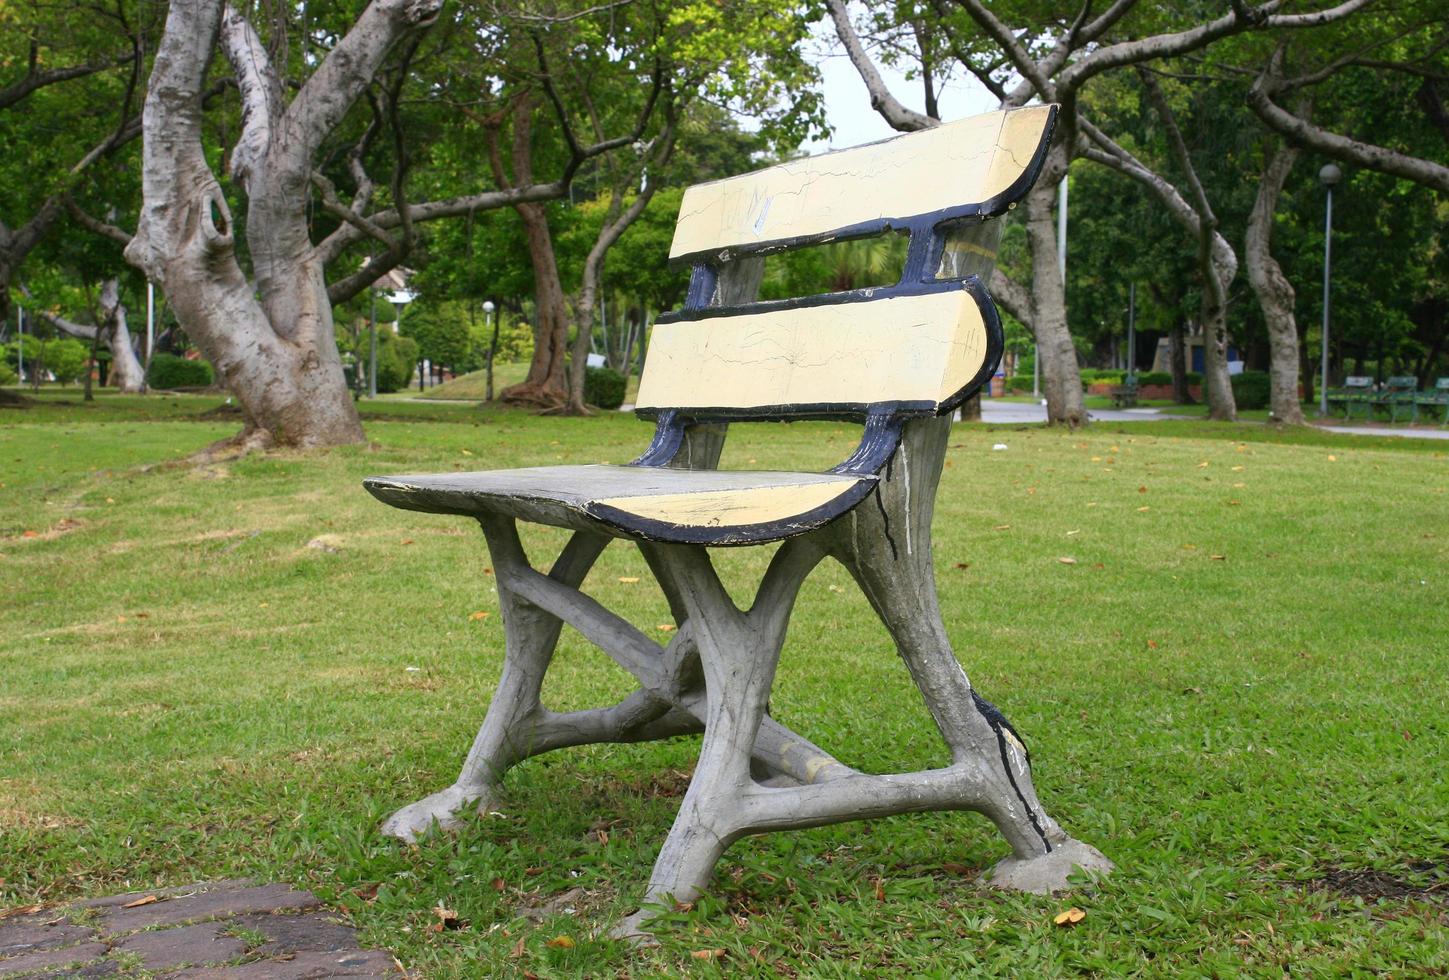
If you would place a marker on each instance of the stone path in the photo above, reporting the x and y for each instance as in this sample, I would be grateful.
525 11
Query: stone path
224 930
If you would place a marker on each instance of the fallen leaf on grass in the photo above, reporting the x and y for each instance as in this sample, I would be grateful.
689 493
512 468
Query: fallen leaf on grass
30 534
1332 459
447 919
368 893
498 884
1152 644
1067 561
1218 557
879 890
560 942
963 565
517 951
1203 465
407 540
1002 527
955 868
707 954
474 617
665 627
137 903
628 579
19 910
1141 510
1070 917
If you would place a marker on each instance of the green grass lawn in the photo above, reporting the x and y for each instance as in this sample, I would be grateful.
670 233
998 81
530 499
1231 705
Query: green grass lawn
1237 692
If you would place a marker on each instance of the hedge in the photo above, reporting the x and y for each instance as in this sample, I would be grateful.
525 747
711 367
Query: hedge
170 371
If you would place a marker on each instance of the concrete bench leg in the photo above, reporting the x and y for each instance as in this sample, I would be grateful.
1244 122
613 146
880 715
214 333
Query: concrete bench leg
887 548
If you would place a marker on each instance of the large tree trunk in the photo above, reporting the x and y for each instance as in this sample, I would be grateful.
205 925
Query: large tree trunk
1055 350
546 385
1177 363
1218 265
271 340
1275 293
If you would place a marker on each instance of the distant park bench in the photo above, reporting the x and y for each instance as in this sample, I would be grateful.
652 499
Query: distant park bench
1125 394
1435 399
898 359
1356 393
1397 397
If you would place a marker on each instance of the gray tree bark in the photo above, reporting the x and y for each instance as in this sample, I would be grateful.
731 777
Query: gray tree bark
270 337
1274 291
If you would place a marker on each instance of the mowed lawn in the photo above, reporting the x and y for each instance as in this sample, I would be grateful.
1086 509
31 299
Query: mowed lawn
1227 648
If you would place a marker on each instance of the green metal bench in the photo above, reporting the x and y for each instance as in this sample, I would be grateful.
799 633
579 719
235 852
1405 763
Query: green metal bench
1356 393
1125 394
1397 397
1436 398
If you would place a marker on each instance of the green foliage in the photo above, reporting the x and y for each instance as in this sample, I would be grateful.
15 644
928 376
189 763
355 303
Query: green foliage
7 374
1252 389
1154 378
396 359
1019 382
604 387
62 357
169 371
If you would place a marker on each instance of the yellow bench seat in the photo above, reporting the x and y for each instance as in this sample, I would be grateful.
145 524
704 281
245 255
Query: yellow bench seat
711 507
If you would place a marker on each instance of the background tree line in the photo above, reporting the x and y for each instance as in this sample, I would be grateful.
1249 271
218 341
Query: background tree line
263 164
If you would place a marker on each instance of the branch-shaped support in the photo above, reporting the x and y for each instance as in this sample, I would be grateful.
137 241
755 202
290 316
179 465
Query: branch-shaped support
716 673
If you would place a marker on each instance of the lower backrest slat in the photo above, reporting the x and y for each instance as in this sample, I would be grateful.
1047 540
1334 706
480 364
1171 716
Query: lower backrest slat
920 353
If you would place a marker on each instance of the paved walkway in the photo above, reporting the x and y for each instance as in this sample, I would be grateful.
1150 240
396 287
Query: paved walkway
223 930
1004 412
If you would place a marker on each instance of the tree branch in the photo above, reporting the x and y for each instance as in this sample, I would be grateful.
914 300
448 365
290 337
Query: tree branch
881 100
343 75
95 225
1303 133
36 80
261 94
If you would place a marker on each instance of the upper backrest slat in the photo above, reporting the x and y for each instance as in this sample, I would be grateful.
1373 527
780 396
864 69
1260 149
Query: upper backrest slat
983 163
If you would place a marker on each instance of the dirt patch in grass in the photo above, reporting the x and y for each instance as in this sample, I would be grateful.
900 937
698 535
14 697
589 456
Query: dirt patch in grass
1371 885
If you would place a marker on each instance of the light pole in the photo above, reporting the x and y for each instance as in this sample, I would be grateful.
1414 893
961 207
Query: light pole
492 328
1328 175
372 347
1132 333
398 300
20 344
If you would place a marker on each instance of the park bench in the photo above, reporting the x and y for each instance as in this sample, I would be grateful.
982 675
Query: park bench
1357 392
1125 394
1436 397
899 360
1397 397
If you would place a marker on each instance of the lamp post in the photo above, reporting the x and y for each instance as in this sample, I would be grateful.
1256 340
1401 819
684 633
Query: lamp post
1328 175
492 328
20 347
399 299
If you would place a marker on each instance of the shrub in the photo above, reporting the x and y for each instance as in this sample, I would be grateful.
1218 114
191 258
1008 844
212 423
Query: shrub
170 371
396 358
1154 378
1251 389
7 374
604 387
1019 382
1092 376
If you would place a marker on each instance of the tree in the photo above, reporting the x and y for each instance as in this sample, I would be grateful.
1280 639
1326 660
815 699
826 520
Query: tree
1053 57
127 375
80 65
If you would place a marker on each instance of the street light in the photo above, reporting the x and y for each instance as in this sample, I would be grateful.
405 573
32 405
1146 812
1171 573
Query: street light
1328 175
492 329
399 299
